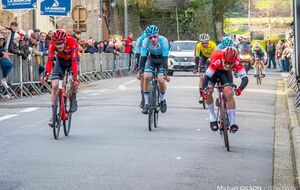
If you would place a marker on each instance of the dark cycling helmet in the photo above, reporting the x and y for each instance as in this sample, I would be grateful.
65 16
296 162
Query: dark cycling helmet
227 42
230 55
204 37
59 35
151 30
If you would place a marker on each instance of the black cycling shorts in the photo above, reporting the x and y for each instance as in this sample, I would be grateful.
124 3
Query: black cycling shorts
60 67
153 64
222 76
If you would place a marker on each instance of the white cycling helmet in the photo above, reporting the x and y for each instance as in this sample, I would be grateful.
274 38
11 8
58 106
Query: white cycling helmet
204 37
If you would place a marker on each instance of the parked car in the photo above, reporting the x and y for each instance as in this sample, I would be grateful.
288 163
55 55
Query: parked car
181 56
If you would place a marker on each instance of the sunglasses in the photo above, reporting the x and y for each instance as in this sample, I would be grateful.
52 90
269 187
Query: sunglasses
204 43
228 64
59 43
154 36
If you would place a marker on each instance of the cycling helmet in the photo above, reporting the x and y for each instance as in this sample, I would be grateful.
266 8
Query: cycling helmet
230 55
204 37
59 35
151 30
227 42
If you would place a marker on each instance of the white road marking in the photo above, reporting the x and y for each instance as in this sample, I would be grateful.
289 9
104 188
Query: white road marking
178 158
198 130
122 87
95 94
8 116
29 109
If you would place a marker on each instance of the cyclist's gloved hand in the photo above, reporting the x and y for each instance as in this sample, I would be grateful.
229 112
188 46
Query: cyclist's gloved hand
239 91
195 69
44 77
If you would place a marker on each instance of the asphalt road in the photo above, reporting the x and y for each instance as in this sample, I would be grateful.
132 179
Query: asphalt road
110 147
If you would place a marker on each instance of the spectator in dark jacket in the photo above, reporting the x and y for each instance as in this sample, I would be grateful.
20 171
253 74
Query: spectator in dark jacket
110 47
91 46
15 47
77 35
101 47
5 62
271 49
105 44
48 38
13 29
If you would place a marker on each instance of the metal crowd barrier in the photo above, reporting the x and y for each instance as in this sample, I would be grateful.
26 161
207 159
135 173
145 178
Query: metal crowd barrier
24 78
293 82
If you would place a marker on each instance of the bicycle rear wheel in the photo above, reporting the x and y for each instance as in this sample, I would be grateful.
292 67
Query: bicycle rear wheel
151 108
224 125
67 123
56 115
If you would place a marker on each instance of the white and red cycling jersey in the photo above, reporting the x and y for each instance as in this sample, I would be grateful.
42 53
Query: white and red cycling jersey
216 63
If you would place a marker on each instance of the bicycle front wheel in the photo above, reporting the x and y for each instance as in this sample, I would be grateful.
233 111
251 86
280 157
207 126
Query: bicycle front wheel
224 125
56 115
67 123
151 108
157 105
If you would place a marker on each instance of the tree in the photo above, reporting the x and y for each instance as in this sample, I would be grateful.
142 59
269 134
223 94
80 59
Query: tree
219 9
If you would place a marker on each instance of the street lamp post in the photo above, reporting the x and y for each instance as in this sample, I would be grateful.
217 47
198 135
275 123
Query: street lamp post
125 19
100 28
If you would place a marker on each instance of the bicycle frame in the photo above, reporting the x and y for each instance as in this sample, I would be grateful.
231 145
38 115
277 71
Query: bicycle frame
62 87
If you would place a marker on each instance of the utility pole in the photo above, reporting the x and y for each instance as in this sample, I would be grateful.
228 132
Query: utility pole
177 22
249 14
100 29
125 19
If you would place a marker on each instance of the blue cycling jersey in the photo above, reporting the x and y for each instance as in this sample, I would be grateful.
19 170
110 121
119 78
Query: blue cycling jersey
139 43
161 48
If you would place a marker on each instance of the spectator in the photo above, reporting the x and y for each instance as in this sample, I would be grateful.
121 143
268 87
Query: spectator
286 56
44 44
279 51
5 62
117 49
36 52
91 46
15 47
77 35
13 30
105 44
271 49
49 36
110 47
129 47
101 47
37 32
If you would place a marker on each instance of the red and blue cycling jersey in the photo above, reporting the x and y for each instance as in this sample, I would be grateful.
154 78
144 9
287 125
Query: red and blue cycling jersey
70 53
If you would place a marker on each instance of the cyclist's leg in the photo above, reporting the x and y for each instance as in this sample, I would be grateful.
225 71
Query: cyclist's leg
210 105
147 78
142 91
57 74
262 67
255 68
162 88
201 75
230 102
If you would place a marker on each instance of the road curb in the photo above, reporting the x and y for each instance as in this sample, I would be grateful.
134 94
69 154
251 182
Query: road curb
294 131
